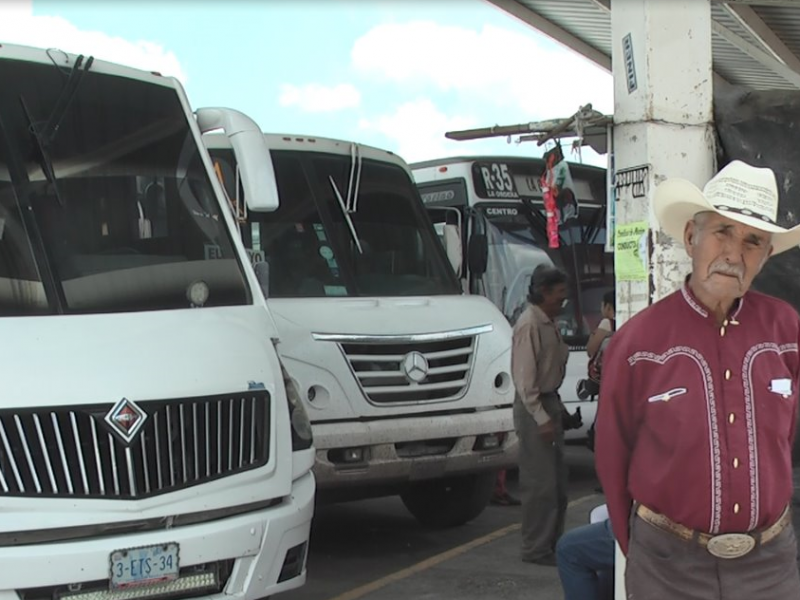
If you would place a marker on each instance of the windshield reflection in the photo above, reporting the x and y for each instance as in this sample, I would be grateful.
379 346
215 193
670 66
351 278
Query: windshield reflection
336 235
110 209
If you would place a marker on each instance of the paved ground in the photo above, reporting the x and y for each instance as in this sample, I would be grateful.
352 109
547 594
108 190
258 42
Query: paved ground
375 550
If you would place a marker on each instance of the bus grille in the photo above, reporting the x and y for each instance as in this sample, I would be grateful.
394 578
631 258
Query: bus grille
73 452
413 371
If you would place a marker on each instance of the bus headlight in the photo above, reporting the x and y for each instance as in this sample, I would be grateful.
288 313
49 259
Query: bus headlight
302 437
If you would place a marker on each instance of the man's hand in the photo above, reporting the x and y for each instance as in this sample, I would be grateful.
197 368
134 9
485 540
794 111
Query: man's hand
547 431
571 421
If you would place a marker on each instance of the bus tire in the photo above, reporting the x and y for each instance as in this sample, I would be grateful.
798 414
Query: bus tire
450 502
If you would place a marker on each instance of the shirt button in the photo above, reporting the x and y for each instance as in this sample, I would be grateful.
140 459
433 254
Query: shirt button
727 373
735 463
722 331
736 508
725 322
731 418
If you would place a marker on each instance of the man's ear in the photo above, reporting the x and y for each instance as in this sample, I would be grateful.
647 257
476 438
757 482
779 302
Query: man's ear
689 234
767 256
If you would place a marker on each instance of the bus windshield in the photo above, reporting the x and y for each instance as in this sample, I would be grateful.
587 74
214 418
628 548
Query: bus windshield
515 251
516 235
105 205
382 244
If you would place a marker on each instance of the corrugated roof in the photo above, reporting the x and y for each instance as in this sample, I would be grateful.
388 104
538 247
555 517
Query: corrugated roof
785 22
749 29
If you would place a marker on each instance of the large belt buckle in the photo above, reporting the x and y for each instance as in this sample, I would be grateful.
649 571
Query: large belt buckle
731 545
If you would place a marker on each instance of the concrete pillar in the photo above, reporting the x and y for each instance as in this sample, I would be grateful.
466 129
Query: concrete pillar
663 112
663 101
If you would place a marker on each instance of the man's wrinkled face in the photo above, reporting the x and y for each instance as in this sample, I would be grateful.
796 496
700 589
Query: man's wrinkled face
726 255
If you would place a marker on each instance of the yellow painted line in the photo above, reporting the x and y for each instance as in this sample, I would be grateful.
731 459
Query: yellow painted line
431 562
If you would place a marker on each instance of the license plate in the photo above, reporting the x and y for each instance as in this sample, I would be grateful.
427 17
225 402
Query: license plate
148 565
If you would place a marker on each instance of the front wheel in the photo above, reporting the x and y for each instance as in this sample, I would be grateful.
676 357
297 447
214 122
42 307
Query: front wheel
450 502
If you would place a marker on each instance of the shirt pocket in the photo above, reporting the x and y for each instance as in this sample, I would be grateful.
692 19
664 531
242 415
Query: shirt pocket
774 393
668 411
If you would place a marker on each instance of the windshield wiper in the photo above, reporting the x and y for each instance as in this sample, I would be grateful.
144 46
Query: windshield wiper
21 181
350 204
355 164
46 135
76 74
45 162
346 214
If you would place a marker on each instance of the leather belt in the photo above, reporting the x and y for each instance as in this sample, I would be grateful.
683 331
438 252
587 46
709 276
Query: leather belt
726 545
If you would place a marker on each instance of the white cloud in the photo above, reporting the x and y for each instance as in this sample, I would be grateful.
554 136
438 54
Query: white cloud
494 64
18 25
417 130
314 97
16 8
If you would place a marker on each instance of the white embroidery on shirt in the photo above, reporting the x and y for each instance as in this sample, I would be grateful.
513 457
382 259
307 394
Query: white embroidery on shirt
750 418
667 396
713 426
690 301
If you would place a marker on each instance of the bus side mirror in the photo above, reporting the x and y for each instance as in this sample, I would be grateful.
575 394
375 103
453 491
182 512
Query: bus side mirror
251 152
478 253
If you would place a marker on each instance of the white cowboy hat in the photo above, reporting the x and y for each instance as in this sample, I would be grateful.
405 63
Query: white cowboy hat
739 191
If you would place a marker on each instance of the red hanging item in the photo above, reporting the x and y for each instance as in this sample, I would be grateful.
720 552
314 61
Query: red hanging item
549 193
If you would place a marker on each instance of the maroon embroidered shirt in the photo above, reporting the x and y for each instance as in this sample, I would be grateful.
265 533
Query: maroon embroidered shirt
697 420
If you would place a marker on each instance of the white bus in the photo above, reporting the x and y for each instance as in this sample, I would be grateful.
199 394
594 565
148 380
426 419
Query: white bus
147 444
406 379
496 204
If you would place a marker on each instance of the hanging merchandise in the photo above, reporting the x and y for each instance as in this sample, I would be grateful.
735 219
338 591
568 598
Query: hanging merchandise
549 194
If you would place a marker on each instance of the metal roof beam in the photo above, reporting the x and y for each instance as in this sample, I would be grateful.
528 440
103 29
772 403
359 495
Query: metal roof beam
602 4
766 59
750 20
559 34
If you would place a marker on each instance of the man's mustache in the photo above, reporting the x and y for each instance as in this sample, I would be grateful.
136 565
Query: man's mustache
725 268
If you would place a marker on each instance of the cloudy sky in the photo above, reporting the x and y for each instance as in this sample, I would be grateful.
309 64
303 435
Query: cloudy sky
396 74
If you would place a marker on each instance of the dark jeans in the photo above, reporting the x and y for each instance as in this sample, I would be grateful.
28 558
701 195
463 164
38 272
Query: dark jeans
586 562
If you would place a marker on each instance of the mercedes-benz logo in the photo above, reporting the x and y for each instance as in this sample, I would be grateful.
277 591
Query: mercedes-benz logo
415 367
126 419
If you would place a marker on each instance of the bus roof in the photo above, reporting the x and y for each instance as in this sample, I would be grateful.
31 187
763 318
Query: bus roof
313 143
438 162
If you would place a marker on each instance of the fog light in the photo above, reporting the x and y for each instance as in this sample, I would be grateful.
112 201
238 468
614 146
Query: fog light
352 455
489 441
346 456
502 382
293 563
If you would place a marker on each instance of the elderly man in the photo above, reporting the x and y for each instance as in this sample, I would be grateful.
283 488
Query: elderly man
698 406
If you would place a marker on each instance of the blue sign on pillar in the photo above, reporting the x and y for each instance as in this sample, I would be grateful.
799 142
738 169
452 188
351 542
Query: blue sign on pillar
630 67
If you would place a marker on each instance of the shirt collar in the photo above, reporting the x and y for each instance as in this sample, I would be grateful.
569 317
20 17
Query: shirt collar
540 314
701 310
